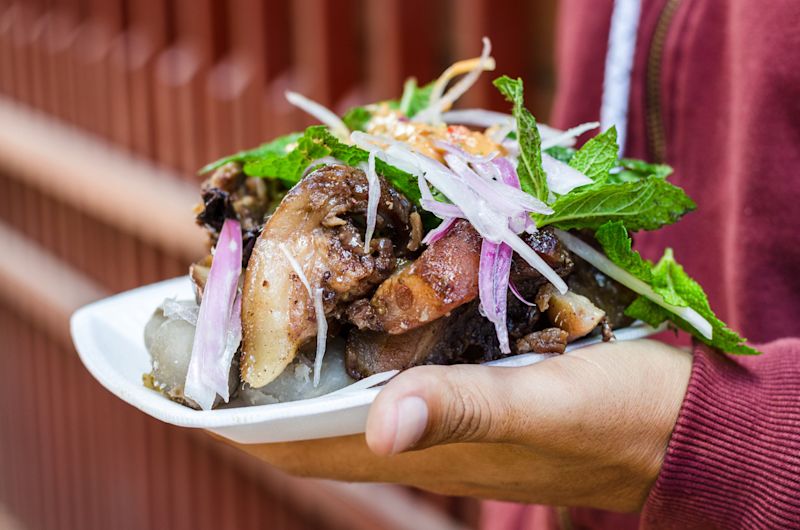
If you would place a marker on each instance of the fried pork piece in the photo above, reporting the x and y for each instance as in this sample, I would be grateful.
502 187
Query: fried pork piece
446 340
547 245
229 194
444 277
550 340
318 227
607 294
573 313
464 336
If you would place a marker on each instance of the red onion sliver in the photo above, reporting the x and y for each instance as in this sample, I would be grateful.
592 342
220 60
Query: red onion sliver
439 232
493 275
472 159
208 375
516 293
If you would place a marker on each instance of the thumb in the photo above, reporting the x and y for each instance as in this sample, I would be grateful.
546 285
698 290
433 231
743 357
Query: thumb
432 405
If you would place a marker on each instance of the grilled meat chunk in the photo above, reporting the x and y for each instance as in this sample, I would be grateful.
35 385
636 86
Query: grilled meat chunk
550 340
229 194
463 336
573 313
546 244
316 228
444 277
607 294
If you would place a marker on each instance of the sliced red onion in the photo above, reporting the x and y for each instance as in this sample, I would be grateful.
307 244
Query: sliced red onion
567 138
374 196
439 232
562 178
485 216
469 157
208 374
505 198
493 275
609 268
322 334
322 113
440 209
233 337
516 292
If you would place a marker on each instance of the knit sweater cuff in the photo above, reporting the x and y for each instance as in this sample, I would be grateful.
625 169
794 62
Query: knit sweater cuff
734 457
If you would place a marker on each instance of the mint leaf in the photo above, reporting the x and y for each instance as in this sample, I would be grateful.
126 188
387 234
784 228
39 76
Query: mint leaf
649 312
357 118
597 156
417 99
280 146
561 153
637 169
646 204
613 237
532 178
317 142
669 280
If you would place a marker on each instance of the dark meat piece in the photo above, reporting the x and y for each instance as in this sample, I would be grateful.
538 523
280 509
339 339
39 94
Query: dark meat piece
605 293
550 340
605 330
547 245
463 336
444 277
229 194
316 228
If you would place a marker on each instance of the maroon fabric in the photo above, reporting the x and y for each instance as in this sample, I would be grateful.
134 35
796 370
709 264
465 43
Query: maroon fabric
734 457
728 82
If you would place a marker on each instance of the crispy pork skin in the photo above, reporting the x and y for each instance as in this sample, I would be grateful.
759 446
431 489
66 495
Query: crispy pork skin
573 313
317 225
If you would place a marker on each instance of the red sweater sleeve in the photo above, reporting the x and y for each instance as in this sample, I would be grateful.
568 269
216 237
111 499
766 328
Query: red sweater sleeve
734 457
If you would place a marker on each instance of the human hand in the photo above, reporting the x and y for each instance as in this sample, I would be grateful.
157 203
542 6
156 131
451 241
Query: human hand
587 428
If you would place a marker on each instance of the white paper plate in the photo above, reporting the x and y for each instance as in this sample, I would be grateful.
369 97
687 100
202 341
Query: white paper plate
108 335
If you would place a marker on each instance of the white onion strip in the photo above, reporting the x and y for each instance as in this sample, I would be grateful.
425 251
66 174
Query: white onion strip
567 138
473 69
562 178
478 117
374 196
608 267
325 160
296 266
322 334
319 313
322 113
483 215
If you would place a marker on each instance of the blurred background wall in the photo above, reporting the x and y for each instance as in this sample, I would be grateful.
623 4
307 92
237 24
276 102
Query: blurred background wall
107 109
